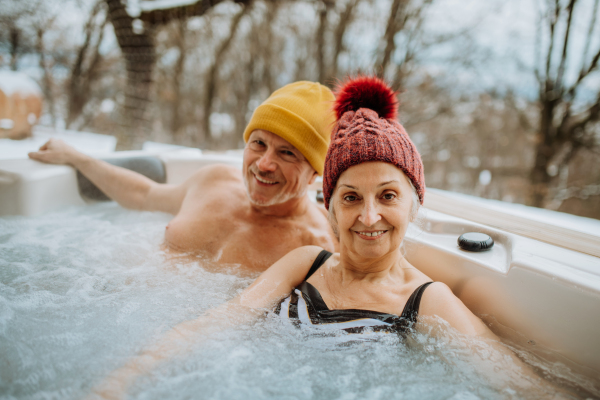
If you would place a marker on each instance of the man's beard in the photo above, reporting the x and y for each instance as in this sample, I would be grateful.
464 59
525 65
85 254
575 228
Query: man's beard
279 198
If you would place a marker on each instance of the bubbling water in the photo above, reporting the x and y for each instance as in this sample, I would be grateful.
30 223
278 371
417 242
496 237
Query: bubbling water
85 289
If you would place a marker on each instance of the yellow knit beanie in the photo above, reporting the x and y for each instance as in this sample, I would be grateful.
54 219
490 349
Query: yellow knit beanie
302 114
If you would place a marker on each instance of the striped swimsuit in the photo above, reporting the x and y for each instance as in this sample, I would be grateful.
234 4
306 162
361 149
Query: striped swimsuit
305 307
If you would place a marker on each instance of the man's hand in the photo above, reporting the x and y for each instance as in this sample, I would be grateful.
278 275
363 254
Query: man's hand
55 151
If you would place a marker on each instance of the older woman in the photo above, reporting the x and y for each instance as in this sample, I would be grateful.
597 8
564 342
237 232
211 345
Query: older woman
373 186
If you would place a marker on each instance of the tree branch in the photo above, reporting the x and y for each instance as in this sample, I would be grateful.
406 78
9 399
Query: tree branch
323 16
267 44
561 69
47 76
210 86
164 16
390 32
411 50
584 73
538 51
590 115
553 21
181 28
590 32
340 30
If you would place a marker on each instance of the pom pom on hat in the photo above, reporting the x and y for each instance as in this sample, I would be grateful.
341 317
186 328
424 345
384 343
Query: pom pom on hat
366 92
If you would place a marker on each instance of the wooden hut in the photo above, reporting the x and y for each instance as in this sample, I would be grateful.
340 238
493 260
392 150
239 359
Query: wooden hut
20 104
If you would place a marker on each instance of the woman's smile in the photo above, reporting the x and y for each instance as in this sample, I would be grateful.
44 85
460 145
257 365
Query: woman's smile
371 235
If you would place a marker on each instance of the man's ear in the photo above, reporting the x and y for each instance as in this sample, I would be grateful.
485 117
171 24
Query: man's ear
313 177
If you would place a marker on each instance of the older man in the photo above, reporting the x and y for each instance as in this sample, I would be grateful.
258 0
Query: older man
251 217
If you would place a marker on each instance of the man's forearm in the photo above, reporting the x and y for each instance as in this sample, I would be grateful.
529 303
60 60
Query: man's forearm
126 187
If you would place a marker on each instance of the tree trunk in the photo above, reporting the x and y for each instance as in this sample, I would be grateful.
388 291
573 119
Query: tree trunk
544 151
15 36
177 78
139 53
266 44
323 14
81 79
210 87
340 30
47 77
561 133
393 27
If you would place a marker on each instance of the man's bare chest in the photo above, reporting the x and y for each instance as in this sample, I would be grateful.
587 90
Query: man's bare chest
227 238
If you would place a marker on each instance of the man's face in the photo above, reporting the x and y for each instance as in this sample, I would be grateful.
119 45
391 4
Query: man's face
274 170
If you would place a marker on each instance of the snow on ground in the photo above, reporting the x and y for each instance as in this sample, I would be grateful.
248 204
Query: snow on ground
89 143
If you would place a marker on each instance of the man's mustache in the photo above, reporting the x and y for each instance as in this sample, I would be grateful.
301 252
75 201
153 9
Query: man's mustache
269 176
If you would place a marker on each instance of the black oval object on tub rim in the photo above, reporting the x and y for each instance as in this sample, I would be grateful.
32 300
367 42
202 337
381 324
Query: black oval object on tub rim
475 241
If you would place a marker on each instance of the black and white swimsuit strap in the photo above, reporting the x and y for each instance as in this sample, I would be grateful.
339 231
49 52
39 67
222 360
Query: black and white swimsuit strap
411 309
320 260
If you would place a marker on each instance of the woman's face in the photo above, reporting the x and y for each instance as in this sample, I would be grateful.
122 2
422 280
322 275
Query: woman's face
372 205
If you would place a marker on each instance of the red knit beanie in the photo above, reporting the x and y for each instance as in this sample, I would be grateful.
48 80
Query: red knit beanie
367 130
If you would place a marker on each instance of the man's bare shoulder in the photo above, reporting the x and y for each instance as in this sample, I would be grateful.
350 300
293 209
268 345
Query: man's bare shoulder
317 215
321 208
215 174
318 230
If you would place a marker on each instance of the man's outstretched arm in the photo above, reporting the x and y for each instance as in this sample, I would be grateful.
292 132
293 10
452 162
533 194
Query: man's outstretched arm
128 188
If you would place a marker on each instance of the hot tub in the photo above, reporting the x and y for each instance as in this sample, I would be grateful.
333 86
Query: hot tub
84 286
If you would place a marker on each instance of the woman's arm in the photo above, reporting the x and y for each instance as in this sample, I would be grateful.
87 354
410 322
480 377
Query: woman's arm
441 302
269 288
438 300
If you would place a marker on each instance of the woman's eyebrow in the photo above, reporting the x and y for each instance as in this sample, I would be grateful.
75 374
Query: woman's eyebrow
351 187
388 182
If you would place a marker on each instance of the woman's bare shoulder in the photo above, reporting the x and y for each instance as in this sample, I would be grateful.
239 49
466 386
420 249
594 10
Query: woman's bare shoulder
292 268
440 291
439 300
304 255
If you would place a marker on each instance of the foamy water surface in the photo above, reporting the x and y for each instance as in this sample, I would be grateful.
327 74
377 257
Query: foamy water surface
85 289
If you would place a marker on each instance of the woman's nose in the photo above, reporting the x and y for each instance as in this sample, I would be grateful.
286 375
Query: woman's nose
369 214
266 162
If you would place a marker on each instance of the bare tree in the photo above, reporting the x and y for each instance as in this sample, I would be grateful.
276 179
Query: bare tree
15 36
396 21
266 44
566 120
325 7
406 17
47 79
85 68
211 76
136 40
181 31
137 47
338 37
12 31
